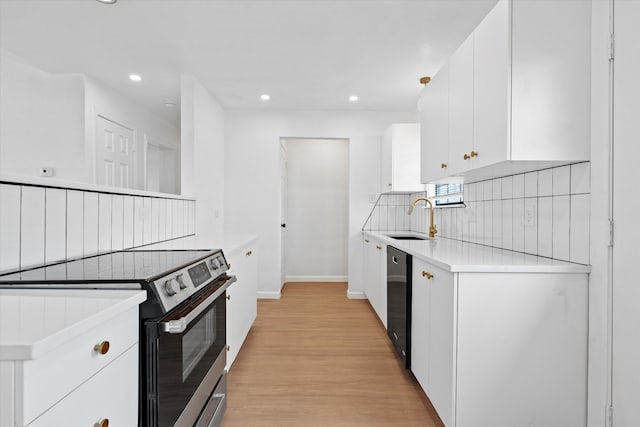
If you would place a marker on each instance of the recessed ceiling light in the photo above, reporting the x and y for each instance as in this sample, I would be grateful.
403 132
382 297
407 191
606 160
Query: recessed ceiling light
353 98
135 77
107 1
265 97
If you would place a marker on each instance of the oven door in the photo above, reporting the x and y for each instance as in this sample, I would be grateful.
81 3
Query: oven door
189 360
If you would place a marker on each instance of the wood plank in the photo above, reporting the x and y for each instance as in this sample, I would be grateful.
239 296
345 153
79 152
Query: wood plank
316 358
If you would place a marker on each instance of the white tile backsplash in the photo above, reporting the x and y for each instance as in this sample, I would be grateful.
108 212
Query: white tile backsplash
561 180
128 222
104 222
75 223
543 213
41 224
580 178
32 223
545 226
561 235
55 224
531 184
579 223
117 222
545 182
9 226
90 229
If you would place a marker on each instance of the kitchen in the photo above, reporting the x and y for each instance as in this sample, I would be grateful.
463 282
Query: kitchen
244 143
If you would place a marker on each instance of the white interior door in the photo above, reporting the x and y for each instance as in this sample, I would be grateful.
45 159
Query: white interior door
626 292
115 154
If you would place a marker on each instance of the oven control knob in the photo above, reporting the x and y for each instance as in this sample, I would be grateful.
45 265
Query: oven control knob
170 287
181 283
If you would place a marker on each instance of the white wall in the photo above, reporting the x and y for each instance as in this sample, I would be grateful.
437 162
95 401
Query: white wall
41 121
252 167
318 209
203 154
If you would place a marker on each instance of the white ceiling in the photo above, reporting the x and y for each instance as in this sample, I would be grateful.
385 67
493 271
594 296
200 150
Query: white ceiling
307 54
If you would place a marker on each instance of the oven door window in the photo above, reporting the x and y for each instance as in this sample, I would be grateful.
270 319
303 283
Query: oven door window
197 341
185 358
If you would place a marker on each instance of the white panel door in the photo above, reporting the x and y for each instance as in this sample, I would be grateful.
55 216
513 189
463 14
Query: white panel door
434 127
626 292
115 154
461 107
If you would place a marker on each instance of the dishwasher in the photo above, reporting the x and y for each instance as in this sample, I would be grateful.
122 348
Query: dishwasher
399 302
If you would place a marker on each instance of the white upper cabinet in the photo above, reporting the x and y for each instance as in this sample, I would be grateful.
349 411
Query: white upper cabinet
461 108
434 127
518 94
400 158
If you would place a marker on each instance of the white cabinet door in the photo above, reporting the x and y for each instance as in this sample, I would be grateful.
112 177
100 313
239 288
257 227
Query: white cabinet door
441 343
400 158
461 108
491 76
375 276
241 299
550 82
433 335
434 127
420 320
111 394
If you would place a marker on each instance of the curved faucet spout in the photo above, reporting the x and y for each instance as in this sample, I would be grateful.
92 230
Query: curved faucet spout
432 226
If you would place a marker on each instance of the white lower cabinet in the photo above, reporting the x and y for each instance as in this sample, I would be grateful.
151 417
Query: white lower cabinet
109 395
375 276
242 307
501 349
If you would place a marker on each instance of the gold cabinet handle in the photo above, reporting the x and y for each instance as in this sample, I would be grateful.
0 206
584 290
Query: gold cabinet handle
474 154
249 253
428 275
443 165
102 348
228 296
378 247
466 156
228 348
102 423
366 240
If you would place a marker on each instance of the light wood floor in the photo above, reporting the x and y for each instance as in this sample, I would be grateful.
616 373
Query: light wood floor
315 358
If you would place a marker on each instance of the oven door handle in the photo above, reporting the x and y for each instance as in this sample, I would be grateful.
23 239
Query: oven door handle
178 326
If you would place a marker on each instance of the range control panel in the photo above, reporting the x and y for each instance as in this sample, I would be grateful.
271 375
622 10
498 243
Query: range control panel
176 287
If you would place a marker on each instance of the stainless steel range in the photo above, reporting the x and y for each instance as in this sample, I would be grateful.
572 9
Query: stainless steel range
182 324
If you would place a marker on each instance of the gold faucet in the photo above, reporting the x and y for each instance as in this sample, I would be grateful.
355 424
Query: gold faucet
432 226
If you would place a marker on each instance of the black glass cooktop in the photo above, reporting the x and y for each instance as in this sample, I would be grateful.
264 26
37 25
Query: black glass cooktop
122 266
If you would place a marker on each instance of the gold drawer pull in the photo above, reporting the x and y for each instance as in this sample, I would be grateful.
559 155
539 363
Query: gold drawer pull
228 296
366 240
466 156
249 253
378 247
103 423
228 348
443 165
102 348
474 154
428 275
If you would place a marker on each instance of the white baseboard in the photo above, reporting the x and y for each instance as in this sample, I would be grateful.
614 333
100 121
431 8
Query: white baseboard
268 295
356 295
316 278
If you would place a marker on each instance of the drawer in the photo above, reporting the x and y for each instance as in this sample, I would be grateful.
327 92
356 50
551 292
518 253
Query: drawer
111 394
48 379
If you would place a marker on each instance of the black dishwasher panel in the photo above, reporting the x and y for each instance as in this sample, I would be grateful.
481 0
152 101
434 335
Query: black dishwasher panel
399 302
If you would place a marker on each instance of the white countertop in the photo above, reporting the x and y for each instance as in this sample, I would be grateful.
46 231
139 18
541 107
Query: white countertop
463 257
35 321
227 242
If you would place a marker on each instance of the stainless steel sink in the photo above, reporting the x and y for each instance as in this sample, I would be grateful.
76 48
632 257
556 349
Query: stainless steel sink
406 237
